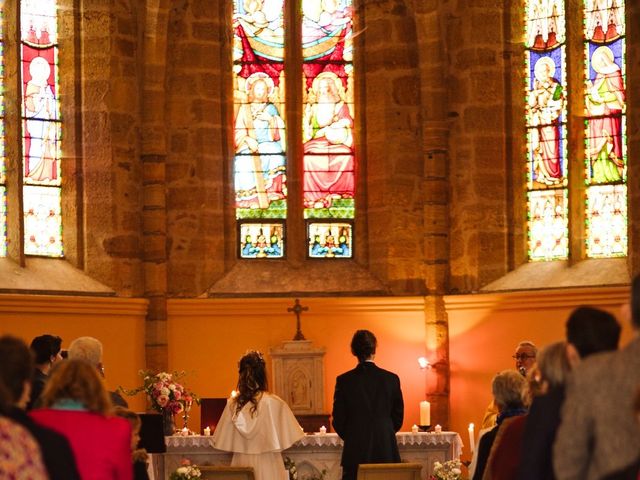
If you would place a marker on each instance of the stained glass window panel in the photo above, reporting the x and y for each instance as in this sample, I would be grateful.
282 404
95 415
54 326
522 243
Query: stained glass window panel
42 221
546 113
607 221
328 116
330 240
548 225
259 101
261 240
41 129
3 199
605 132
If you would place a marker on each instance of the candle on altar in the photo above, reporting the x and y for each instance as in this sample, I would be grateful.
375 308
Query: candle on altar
425 413
323 430
472 439
438 429
234 394
414 429
207 432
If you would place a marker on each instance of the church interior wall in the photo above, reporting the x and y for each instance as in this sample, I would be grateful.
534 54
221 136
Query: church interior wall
206 338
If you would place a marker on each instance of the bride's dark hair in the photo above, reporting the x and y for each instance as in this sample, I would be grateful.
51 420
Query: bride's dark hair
252 380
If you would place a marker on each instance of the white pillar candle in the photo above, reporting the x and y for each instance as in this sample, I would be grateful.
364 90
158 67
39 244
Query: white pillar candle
425 413
414 429
438 429
472 439
207 432
323 430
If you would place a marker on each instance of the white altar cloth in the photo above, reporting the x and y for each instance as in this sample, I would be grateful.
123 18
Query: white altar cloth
315 453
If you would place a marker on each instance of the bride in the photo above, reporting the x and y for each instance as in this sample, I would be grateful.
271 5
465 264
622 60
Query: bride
257 425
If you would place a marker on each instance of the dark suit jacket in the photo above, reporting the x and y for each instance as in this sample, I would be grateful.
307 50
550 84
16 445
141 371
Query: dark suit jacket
56 452
539 433
37 386
367 412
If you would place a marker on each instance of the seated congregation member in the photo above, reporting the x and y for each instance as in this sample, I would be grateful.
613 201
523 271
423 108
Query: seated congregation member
75 403
90 350
16 369
505 457
20 456
597 435
46 349
510 394
588 331
139 456
525 359
257 425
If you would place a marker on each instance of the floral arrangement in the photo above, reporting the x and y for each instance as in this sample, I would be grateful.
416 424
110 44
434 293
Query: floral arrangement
164 392
449 470
185 471
290 465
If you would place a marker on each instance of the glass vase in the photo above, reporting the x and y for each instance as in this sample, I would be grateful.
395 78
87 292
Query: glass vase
168 422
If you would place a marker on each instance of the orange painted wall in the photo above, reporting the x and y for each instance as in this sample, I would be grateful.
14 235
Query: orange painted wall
118 323
485 329
208 336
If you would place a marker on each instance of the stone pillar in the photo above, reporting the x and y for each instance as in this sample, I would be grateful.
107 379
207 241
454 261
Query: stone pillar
154 210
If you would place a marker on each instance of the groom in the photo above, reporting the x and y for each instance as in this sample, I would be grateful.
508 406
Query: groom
367 409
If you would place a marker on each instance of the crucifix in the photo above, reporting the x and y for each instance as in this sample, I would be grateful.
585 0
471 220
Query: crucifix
297 309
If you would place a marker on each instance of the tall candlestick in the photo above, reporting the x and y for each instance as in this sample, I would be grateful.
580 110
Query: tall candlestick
472 439
425 413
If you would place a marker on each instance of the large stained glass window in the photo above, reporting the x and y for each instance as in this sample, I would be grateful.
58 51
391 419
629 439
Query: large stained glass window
605 133
546 113
328 155
260 162
3 188
605 151
261 143
40 128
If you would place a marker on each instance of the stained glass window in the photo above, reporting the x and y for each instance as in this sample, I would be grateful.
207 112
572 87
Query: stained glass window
260 161
3 191
327 112
546 113
605 132
328 120
41 128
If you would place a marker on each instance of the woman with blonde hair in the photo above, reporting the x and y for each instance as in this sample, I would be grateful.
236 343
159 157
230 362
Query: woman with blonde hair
257 425
76 404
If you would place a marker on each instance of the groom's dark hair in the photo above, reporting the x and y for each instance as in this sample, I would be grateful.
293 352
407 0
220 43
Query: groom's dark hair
363 344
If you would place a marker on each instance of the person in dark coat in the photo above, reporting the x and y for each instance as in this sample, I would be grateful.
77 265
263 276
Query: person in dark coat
46 349
368 409
15 374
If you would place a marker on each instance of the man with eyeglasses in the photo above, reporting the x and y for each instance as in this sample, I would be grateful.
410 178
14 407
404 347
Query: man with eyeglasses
525 357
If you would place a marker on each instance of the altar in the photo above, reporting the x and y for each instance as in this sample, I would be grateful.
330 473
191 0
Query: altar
317 453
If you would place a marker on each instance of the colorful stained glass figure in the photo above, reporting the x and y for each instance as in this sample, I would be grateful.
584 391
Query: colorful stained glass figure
261 240
41 131
607 221
546 113
328 117
259 126
606 143
330 240
42 221
548 225
3 193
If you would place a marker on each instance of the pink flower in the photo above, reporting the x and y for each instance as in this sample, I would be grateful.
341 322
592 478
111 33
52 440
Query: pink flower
185 462
177 394
162 400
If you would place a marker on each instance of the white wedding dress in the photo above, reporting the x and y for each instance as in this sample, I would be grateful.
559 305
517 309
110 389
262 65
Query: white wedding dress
257 439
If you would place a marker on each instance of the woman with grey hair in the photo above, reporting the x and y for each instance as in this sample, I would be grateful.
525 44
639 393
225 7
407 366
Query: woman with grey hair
510 394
